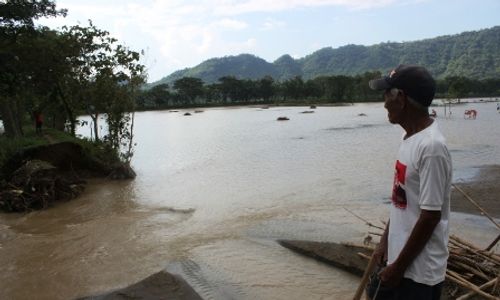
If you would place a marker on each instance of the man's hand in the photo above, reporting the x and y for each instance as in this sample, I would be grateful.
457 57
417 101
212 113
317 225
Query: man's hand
391 275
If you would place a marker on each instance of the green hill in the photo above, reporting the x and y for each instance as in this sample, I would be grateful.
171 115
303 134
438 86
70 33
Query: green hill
474 54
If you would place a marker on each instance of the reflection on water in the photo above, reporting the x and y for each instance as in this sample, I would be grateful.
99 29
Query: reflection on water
215 189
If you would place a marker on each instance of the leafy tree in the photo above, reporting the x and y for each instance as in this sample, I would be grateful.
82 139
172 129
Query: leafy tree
265 88
17 30
160 94
457 86
293 88
342 88
65 73
99 59
362 91
189 88
212 93
230 88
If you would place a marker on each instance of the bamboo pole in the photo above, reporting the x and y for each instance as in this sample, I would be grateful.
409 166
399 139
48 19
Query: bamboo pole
472 262
456 238
463 282
367 223
477 205
493 243
364 256
466 267
474 250
482 287
366 276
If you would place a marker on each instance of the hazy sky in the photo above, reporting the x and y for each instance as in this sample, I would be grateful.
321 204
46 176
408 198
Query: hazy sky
177 34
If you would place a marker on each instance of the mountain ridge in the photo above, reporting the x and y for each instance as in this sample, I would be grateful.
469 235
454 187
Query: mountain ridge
473 54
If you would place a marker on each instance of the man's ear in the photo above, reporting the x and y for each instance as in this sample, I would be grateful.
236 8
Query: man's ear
402 99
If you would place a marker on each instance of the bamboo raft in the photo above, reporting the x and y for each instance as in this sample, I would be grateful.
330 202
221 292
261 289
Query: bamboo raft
472 273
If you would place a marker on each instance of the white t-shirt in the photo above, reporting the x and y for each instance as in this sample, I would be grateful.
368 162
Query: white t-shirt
422 181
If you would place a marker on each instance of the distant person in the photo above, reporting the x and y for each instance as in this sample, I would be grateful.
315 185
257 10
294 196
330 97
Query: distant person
498 107
38 122
433 113
413 250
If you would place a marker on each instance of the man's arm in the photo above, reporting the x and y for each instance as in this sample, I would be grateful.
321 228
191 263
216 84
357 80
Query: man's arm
420 235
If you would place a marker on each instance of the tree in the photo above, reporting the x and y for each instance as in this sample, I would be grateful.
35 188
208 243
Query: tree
312 89
293 88
189 88
97 69
265 88
212 93
458 87
160 94
362 90
231 88
341 88
17 29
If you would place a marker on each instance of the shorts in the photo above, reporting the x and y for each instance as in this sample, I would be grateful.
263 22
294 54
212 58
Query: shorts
406 290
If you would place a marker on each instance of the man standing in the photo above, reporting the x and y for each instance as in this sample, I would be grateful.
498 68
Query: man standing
38 121
415 241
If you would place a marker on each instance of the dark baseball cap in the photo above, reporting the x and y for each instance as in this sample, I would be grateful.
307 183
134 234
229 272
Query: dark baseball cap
415 81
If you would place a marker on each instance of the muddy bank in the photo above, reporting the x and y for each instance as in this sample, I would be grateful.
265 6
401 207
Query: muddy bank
36 177
483 188
161 285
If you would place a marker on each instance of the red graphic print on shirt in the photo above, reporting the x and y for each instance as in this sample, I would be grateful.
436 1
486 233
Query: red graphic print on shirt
398 192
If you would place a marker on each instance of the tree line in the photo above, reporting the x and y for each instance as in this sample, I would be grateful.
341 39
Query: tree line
229 90
63 73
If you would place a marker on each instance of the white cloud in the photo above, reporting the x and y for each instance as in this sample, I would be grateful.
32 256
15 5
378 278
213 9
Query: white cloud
271 24
184 33
229 7
231 24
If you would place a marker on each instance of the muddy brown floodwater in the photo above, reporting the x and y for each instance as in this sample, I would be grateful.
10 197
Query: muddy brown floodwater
215 190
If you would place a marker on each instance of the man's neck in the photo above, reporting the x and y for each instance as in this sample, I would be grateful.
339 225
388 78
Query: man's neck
414 125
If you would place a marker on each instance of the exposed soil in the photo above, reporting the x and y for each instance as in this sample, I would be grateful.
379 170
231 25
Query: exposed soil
484 189
36 177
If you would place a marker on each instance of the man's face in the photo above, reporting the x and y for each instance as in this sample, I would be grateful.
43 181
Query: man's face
394 103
